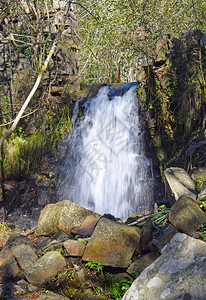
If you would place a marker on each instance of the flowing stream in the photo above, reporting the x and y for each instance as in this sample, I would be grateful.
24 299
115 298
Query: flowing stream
105 168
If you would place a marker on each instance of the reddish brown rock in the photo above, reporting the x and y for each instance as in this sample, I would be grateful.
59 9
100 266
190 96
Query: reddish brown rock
87 227
74 248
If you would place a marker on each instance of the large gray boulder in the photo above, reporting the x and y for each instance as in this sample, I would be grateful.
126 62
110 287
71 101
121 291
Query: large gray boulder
45 268
186 215
64 215
112 244
178 183
179 273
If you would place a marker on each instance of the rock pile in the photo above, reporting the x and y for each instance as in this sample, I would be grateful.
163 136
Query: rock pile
171 262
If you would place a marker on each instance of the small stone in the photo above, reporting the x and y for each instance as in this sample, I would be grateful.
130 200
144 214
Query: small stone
74 248
88 296
87 227
13 240
32 288
141 73
48 295
161 49
157 245
146 232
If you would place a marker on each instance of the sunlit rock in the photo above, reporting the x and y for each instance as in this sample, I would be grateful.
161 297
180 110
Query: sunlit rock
178 183
112 244
24 255
186 215
74 248
178 273
45 268
64 215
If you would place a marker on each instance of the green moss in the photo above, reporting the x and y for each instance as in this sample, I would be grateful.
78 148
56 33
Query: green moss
23 154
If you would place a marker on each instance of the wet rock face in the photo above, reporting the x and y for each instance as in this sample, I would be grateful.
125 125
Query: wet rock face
112 244
179 272
178 183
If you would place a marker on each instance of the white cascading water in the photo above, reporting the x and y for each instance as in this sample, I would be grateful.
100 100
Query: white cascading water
105 168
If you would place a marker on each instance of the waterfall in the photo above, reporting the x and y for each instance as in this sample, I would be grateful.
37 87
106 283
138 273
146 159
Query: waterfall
105 168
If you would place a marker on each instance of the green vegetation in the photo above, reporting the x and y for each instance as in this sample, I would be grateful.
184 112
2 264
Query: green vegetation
23 154
121 35
5 232
202 232
116 288
107 284
53 247
95 265
160 219
199 182
101 283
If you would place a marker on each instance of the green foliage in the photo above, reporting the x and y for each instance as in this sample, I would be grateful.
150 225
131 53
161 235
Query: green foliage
134 272
53 247
105 283
95 266
202 232
202 203
160 219
23 154
116 288
161 207
125 33
199 182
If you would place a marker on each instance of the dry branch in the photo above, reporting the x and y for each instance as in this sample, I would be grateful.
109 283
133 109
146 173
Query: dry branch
38 80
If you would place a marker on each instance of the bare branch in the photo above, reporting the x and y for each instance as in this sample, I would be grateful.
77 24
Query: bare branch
32 112
19 116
